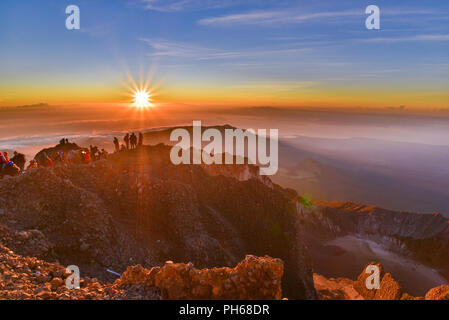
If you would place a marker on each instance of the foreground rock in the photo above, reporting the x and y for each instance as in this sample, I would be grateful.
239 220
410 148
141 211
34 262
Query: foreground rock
25 278
335 289
31 278
253 278
438 293
389 288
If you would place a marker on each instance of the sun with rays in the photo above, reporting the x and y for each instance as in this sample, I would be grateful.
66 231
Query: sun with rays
142 98
142 94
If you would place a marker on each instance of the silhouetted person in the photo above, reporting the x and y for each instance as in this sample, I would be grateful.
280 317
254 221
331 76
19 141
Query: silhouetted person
116 144
44 160
9 169
62 141
103 154
133 140
126 139
60 156
140 143
94 152
3 162
19 160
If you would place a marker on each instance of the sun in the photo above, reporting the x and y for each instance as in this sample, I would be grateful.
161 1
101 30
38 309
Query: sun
141 95
142 99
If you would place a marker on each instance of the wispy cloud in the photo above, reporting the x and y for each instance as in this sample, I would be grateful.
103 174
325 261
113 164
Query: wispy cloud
182 5
162 47
422 37
295 15
284 85
272 17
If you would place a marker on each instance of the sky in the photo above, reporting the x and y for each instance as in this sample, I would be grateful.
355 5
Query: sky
227 53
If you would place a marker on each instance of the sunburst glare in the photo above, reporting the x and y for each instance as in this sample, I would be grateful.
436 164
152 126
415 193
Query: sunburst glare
142 99
142 94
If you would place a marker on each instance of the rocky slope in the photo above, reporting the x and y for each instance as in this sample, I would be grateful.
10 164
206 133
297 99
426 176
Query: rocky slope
137 208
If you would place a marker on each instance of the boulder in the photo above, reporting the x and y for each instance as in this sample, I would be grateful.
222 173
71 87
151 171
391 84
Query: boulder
438 293
256 278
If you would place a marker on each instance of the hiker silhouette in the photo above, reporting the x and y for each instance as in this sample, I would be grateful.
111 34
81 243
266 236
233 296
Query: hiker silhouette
133 140
19 160
126 139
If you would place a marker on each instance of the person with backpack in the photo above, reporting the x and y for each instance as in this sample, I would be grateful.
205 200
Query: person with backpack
71 156
49 162
2 159
19 160
103 154
86 157
32 165
9 169
3 162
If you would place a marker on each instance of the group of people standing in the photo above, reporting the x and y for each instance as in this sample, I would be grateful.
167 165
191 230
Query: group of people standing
132 141
65 152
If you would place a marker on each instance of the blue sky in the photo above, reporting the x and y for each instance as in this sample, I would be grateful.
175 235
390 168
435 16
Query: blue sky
280 45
